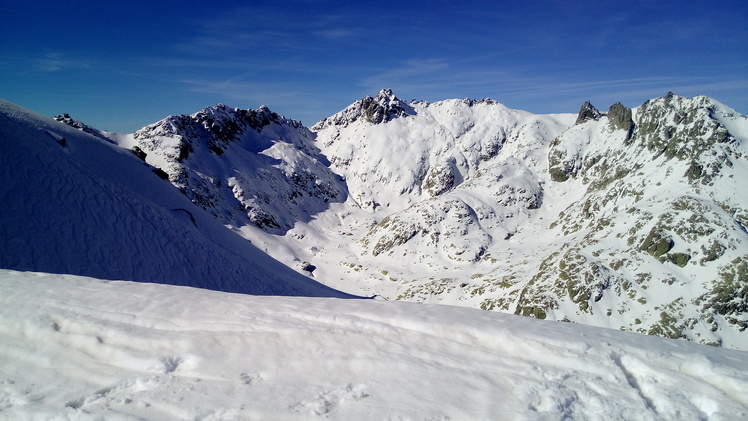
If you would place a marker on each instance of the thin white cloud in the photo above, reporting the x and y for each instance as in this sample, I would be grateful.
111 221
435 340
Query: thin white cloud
335 33
297 101
51 62
256 30
411 71
251 94
55 62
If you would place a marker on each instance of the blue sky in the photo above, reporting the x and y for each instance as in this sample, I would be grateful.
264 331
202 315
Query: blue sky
122 65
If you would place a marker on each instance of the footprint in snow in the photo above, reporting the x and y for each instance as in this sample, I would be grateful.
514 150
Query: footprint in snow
171 364
327 402
250 378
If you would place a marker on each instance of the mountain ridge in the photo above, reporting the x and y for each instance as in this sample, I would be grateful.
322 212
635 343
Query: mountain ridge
630 219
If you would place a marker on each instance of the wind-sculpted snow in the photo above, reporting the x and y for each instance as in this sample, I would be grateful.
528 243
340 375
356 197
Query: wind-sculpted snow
80 348
75 204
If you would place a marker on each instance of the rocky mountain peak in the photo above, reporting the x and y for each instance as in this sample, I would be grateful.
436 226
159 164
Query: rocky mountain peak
386 94
690 130
588 112
380 109
216 126
384 107
282 176
222 117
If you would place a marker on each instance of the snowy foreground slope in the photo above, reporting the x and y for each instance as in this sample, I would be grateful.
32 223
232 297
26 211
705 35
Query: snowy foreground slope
81 348
77 204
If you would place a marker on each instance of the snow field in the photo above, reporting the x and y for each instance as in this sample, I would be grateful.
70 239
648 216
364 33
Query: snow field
83 348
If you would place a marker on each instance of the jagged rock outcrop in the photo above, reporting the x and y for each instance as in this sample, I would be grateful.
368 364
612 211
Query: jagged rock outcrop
661 181
77 124
619 118
587 112
440 178
689 130
380 109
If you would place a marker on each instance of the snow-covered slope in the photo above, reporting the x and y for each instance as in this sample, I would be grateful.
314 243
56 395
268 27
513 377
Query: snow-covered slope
83 349
446 181
74 203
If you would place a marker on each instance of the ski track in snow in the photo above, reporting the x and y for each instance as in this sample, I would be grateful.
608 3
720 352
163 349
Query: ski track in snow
81 348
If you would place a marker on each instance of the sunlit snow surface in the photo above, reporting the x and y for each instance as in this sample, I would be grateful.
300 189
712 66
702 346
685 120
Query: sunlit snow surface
82 348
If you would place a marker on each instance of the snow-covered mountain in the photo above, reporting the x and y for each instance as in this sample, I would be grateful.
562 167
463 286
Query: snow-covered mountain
631 219
272 176
77 348
76 204
661 224
446 181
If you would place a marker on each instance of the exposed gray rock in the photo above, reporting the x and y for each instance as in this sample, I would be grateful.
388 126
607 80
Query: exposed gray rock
587 112
380 109
619 118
